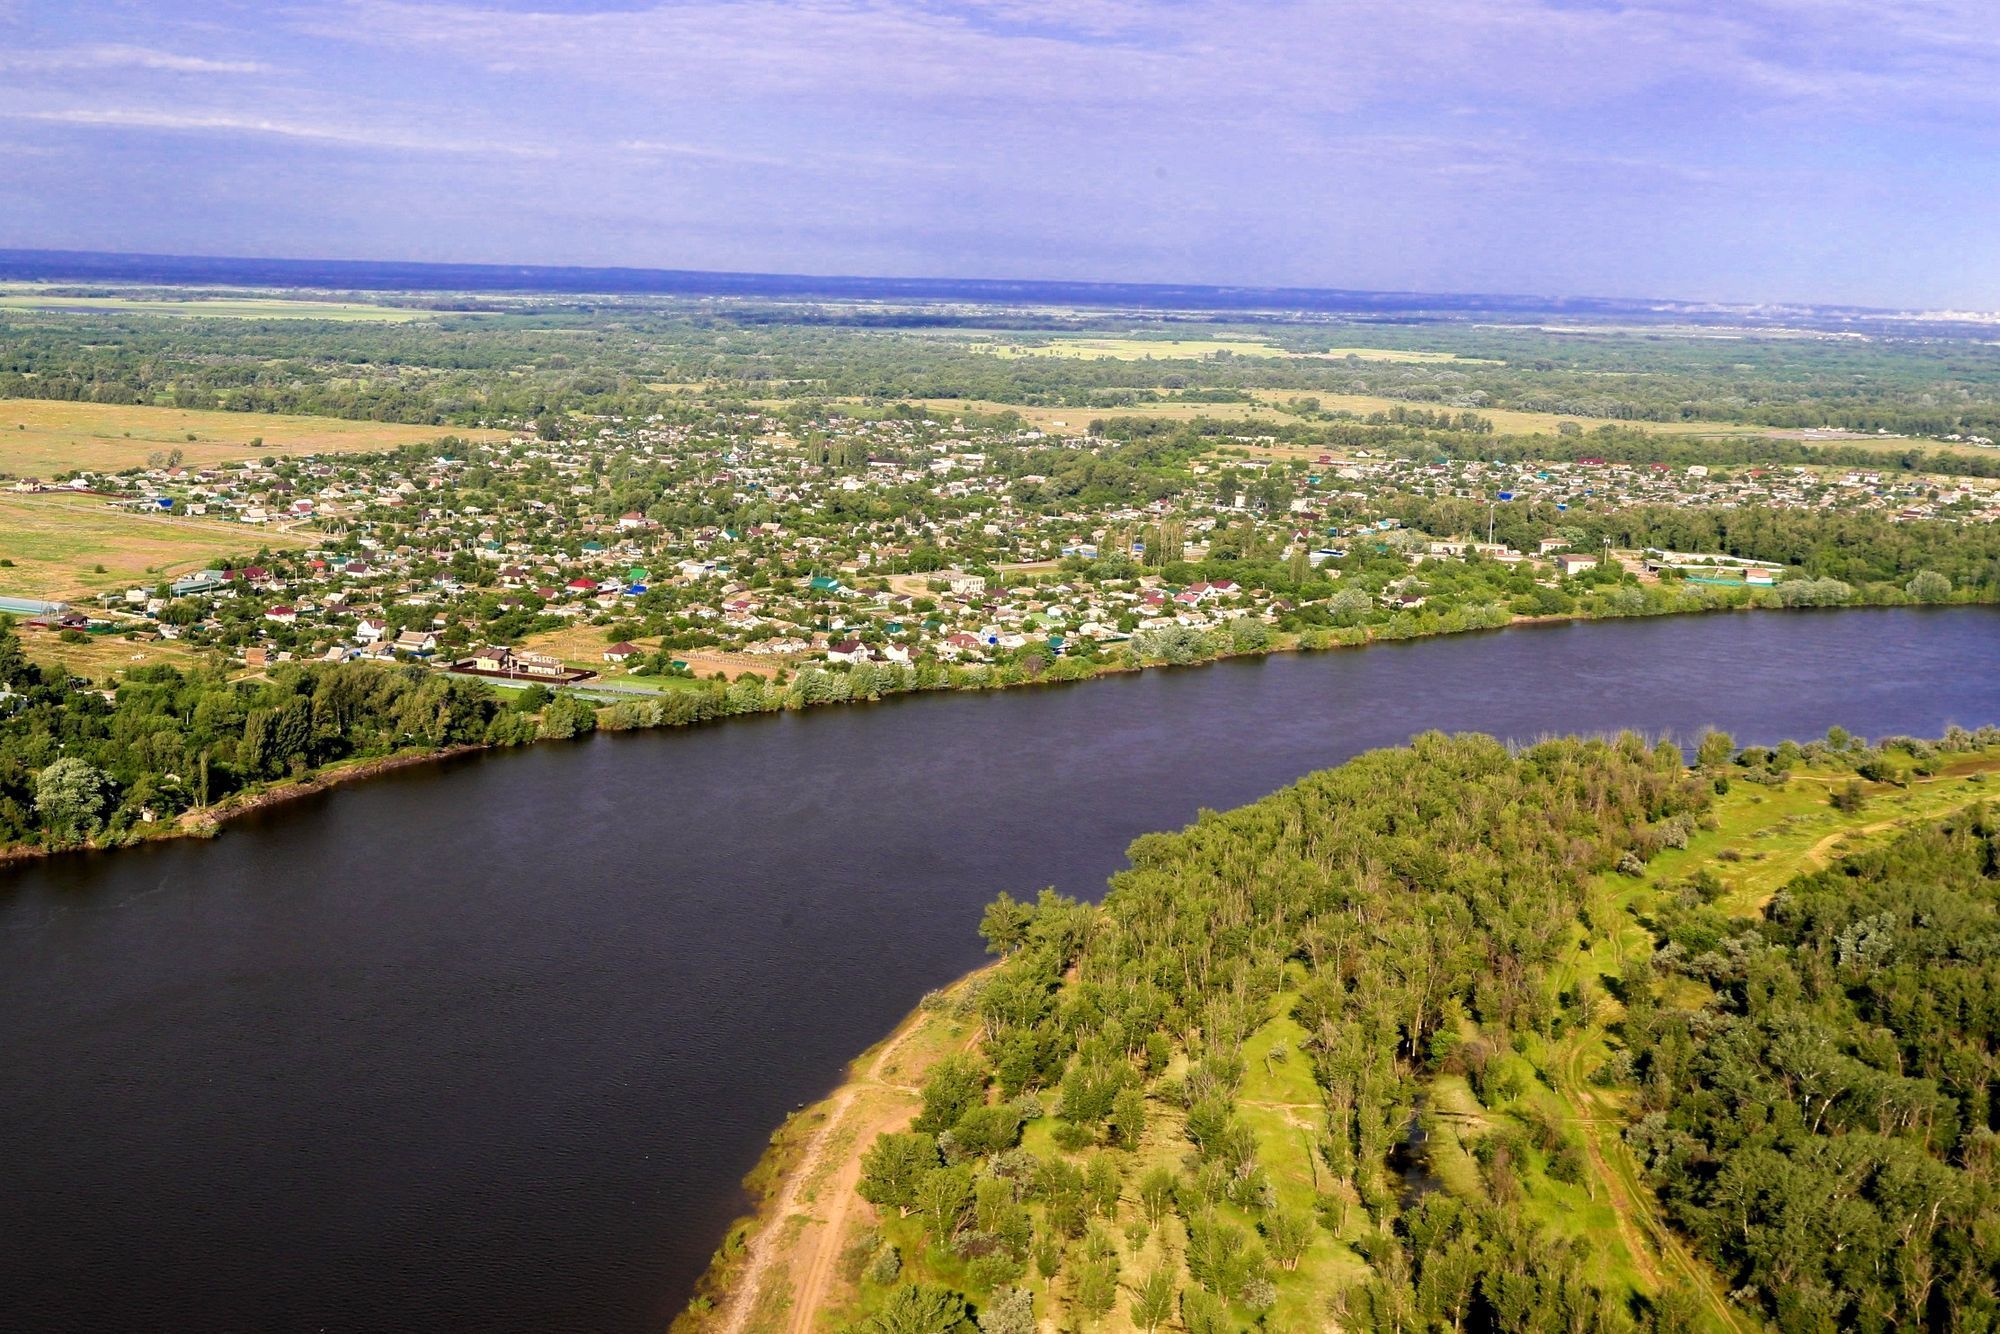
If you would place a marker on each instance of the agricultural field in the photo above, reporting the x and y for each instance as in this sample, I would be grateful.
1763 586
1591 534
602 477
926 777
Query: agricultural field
1184 349
1270 409
70 546
235 307
46 438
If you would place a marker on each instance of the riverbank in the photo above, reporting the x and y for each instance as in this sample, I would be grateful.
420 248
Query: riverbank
777 1267
800 1264
817 686
207 821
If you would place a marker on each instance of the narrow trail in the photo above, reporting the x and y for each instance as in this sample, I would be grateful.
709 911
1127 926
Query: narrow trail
836 1145
1646 1238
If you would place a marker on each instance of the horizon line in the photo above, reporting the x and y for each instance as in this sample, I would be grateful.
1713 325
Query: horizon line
19 264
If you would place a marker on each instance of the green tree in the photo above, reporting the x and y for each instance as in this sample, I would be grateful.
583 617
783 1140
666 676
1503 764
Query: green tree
956 1084
1012 1311
892 1168
1153 1299
1928 586
918 1308
70 797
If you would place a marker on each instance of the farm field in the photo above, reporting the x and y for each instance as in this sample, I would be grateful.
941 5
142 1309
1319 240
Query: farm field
18 297
1267 410
57 543
1181 349
44 438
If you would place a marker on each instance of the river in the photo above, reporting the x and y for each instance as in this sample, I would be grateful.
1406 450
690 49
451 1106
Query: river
489 1044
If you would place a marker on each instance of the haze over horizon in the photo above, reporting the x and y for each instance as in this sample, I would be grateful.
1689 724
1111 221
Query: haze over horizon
1770 150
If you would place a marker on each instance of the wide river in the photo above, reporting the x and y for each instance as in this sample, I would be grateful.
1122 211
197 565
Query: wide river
488 1045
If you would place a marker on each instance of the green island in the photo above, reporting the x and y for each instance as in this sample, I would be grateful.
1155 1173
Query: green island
1576 1036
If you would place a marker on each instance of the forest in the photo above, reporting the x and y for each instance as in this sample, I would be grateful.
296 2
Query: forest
1315 1063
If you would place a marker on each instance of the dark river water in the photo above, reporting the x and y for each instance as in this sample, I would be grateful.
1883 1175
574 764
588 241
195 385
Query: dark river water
488 1045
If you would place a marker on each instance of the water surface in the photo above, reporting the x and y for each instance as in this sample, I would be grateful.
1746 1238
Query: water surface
488 1044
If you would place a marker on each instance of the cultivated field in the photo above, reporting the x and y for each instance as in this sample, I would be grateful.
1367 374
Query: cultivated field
57 543
19 297
43 438
1267 411
1184 349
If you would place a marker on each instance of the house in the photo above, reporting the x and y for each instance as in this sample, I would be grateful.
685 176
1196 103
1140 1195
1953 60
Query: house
370 630
622 651
846 650
201 581
419 642
256 657
283 615
1572 563
1760 578
964 585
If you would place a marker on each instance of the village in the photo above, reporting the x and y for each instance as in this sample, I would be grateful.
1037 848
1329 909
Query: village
754 542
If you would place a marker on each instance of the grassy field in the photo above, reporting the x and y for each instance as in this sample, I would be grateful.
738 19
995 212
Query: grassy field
43 438
69 546
1268 411
103 656
1185 349
16 296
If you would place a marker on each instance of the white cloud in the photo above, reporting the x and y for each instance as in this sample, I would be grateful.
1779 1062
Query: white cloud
125 57
110 118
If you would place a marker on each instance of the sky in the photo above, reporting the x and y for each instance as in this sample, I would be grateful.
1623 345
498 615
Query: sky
1729 150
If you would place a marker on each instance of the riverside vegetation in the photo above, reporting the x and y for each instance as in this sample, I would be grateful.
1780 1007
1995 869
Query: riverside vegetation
1577 1036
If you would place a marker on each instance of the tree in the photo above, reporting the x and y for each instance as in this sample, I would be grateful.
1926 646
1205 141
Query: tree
1006 923
1287 1233
893 1166
956 1084
569 716
918 1308
1012 1311
1928 586
1156 1193
1128 1117
1714 749
70 797
1153 1299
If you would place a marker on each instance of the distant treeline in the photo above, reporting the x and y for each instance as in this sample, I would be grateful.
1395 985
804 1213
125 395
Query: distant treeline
462 370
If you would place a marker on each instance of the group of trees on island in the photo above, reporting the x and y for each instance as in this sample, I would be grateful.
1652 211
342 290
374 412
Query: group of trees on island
1402 914
1812 1087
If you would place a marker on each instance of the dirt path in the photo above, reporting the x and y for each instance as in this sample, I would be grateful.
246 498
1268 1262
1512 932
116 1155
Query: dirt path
816 1243
820 1191
1646 1238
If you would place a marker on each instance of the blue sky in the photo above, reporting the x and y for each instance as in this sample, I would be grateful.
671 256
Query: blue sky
1826 150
